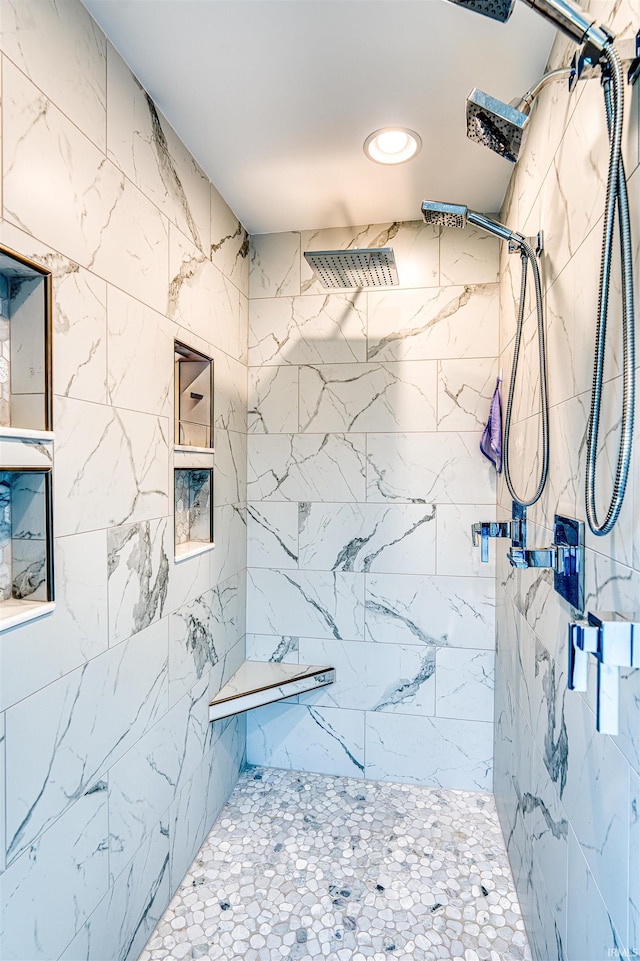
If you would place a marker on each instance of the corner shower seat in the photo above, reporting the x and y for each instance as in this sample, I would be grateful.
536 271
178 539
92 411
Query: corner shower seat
257 683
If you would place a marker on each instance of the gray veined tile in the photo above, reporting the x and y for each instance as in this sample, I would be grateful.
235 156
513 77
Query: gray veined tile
229 244
429 751
143 145
230 470
311 604
373 677
306 467
39 37
450 322
270 647
366 397
273 400
329 329
272 535
53 765
398 538
443 611
464 684
465 389
426 468
229 393
49 892
274 265
192 652
470 258
297 737
138 570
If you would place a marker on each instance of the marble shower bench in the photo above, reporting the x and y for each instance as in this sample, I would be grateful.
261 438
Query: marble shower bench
257 683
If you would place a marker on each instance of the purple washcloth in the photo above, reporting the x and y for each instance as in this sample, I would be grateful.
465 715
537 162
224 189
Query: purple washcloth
491 440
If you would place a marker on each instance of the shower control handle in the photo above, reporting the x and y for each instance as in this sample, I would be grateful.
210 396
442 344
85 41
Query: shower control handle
614 640
483 530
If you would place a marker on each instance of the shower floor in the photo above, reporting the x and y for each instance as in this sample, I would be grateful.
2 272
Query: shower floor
312 866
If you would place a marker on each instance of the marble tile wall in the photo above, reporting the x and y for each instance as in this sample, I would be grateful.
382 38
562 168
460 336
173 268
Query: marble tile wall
111 773
364 475
567 796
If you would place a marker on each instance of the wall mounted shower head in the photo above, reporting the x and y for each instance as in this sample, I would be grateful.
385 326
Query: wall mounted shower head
455 215
496 125
576 23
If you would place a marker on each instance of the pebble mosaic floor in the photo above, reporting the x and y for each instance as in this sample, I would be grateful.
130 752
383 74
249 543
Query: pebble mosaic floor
311 866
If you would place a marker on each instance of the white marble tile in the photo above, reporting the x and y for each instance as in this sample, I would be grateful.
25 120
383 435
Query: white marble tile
273 400
453 322
269 647
49 892
133 906
398 538
53 764
591 932
111 466
468 257
464 684
317 604
329 329
456 553
633 936
303 467
230 468
136 331
420 468
447 611
272 535
432 751
274 265
143 145
138 570
79 319
227 760
188 821
201 299
90 211
229 243
3 794
415 247
229 393
366 397
75 632
39 37
325 740
230 553
597 795
373 677
465 389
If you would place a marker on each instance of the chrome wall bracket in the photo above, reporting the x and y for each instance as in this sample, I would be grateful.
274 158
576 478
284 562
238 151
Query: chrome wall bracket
614 640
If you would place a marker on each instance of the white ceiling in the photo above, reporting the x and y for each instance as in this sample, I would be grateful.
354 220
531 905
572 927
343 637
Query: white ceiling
275 98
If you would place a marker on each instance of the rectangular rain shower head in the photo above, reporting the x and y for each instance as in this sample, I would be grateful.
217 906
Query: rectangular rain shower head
444 215
495 124
371 267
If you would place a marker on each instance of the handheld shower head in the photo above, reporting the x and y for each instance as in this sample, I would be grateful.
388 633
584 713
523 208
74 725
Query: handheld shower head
495 124
570 19
455 215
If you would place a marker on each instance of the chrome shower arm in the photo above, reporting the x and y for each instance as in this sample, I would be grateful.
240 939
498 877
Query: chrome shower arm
525 103
492 226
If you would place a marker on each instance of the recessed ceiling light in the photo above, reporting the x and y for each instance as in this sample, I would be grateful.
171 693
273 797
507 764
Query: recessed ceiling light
392 145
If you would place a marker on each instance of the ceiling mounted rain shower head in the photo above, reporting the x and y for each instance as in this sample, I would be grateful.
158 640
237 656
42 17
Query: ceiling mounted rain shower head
371 267
495 124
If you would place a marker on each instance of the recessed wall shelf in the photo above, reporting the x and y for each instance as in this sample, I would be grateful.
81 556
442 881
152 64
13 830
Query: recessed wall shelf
193 516
257 683
26 560
193 399
25 343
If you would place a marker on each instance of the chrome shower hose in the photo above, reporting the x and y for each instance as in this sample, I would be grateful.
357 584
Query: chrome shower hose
616 197
528 257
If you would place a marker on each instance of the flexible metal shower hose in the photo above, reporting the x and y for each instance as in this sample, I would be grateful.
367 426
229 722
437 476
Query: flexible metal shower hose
616 196
528 256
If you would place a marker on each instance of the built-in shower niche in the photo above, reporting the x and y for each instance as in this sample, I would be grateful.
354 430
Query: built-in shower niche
193 511
26 572
193 399
25 339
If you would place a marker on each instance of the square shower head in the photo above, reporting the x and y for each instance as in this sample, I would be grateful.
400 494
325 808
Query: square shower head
495 124
371 267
